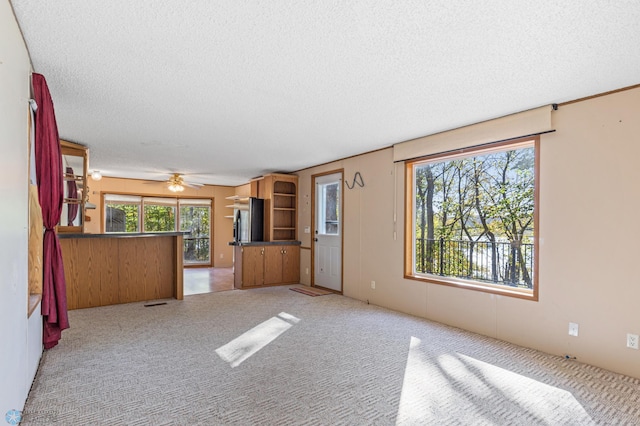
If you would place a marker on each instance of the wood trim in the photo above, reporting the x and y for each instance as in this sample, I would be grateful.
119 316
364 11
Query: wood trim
34 300
408 220
610 92
475 286
536 219
459 283
178 289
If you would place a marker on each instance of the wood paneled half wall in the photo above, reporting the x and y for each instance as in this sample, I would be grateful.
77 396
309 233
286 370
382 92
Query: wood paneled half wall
108 269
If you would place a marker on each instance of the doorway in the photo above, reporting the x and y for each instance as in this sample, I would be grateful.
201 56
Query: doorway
326 247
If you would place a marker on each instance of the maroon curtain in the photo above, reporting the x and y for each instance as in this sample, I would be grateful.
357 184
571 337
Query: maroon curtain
50 193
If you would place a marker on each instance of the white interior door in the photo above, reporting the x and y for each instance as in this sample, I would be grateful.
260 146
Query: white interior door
327 271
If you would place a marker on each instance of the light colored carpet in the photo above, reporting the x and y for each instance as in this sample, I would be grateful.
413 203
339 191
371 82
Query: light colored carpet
272 356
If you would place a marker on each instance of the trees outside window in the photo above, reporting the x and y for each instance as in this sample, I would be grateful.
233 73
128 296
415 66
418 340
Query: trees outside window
195 219
133 213
159 218
121 217
473 218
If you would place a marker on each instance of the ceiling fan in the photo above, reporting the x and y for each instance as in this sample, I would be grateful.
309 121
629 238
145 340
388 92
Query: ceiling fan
176 183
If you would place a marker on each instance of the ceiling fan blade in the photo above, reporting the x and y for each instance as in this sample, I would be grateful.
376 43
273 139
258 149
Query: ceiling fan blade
193 185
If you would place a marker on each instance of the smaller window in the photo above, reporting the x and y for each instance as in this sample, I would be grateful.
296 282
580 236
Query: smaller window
122 213
330 210
472 220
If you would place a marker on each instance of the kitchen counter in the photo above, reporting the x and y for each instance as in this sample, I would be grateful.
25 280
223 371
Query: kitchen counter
108 269
264 243
123 235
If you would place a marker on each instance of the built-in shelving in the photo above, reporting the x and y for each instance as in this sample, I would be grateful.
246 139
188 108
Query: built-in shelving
239 203
284 217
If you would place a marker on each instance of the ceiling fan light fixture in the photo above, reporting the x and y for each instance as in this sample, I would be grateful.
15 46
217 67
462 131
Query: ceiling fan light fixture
176 187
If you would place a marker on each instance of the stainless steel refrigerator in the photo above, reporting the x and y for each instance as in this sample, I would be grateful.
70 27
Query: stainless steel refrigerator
249 221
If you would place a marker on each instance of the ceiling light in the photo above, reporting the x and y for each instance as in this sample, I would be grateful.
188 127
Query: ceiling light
96 175
176 187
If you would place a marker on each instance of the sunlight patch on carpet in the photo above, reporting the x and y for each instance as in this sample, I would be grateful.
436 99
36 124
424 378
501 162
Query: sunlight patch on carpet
459 388
244 346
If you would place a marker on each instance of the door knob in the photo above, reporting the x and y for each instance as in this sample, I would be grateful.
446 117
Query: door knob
315 239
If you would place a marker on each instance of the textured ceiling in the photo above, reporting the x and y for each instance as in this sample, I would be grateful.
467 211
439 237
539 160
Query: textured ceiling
228 90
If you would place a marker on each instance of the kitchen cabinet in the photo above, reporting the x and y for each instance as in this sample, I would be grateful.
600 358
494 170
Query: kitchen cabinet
248 266
257 264
282 265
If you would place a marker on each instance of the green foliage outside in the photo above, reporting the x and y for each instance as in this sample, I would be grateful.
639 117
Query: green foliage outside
122 218
475 217
196 220
159 218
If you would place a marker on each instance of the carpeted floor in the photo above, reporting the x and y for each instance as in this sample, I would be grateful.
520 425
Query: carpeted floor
272 356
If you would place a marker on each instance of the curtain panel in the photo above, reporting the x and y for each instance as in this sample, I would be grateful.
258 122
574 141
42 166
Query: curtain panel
50 193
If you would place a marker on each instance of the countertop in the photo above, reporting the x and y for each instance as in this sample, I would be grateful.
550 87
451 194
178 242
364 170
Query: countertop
265 243
123 235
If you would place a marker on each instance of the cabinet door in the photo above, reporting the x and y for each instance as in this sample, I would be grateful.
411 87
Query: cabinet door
252 266
273 264
291 264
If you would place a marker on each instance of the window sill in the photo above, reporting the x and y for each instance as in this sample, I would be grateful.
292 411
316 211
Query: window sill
34 301
477 286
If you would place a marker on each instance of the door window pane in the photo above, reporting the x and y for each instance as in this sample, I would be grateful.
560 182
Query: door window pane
330 209
195 219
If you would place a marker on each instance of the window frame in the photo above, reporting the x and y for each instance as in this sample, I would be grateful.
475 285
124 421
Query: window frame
409 232
121 199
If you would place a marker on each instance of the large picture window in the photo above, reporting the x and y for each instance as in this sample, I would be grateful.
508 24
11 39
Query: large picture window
472 219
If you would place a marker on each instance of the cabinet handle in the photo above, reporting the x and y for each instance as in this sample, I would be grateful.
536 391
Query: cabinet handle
262 252
284 251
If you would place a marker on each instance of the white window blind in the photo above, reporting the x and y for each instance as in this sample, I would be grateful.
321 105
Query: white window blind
194 202
160 201
122 199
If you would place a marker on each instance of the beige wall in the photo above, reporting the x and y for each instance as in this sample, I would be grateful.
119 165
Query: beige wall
222 253
589 241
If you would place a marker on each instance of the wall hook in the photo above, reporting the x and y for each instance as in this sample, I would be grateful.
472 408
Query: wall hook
357 179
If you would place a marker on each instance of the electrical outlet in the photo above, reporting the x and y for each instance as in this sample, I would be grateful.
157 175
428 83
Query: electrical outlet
373 285
632 341
306 271
573 329
221 255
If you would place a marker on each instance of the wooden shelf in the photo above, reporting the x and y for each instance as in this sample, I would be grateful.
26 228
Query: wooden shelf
237 198
280 192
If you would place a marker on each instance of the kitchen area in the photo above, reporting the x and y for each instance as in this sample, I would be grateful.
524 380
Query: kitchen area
266 251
